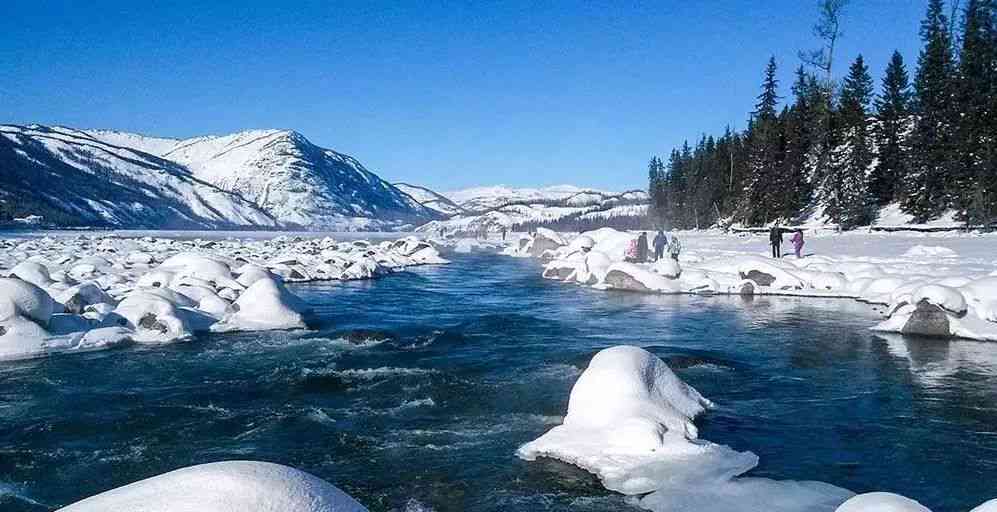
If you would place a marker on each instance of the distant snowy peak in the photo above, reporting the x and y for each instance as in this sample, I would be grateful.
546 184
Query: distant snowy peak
481 199
430 199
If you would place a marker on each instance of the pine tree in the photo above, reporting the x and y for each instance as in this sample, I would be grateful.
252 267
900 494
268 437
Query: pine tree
974 124
892 120
931 154
846 190
763 152
802 135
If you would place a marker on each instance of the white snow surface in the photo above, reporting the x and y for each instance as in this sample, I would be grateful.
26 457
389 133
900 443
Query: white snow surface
881 502
630 422
72 293
233 486
935 284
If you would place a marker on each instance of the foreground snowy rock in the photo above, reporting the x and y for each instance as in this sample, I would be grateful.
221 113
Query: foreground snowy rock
236 486
630 422
881 502
87 292
958 302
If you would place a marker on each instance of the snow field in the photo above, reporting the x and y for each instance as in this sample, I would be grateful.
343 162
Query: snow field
66 294
928 289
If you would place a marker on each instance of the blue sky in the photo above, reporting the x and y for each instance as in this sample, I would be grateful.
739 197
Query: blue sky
436 93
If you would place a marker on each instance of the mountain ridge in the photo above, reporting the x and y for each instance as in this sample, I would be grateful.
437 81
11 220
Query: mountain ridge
253 178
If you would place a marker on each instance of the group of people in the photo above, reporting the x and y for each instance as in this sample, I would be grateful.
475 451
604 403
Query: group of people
640 252
775 238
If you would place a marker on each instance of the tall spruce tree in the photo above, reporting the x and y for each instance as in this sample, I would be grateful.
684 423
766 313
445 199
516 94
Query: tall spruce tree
763 153
847 193
892 121
975 122
802 135
931 150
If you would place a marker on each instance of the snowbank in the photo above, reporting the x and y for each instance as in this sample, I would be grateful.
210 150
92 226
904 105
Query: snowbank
86 292
957 302
236 486
630 422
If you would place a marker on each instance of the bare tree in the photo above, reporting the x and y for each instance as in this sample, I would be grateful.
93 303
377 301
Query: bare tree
828 30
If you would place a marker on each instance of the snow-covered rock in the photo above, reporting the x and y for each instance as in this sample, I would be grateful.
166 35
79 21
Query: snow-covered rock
630 422
234 486
266 305
881 502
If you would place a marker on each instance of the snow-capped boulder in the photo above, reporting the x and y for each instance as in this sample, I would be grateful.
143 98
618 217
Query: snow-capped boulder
77 298
266 305
881 502
627 276
196 265
21 298
561 270
765 273
234 486
152 318
544 240
944 297
990 506
32 272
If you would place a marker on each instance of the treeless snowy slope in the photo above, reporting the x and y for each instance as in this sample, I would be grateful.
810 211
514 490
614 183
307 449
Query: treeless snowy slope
296 181
72 178
430 199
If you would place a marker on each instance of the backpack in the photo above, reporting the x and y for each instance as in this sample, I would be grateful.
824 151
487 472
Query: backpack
675 246
632 249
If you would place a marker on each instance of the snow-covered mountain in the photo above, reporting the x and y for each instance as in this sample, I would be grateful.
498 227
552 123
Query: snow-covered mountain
484 198
260 178
431 199
563 207
70 178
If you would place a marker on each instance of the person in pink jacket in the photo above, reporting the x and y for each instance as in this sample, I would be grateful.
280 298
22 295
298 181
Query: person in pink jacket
797 242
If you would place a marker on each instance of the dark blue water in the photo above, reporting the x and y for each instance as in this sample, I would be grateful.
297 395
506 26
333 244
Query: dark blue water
478 357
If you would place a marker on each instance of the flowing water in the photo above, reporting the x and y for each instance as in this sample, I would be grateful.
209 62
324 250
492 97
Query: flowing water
414 391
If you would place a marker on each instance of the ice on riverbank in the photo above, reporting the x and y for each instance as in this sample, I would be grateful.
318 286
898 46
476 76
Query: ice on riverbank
234 486
630 422
959 301
64 294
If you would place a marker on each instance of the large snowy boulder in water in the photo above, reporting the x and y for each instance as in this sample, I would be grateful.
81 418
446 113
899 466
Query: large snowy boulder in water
236 486
881 502
629 421
266 305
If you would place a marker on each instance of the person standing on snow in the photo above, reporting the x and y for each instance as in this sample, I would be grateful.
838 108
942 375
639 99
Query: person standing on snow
797 242
642 248
660 241
674 247
775 238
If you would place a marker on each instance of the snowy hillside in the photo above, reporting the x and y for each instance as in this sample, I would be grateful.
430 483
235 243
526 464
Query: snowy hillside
295 181
567 208
485 198
264 178
73 179
430 199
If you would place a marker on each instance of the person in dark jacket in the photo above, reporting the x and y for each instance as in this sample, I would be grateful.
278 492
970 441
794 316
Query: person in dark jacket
642 248
775 238
660 241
